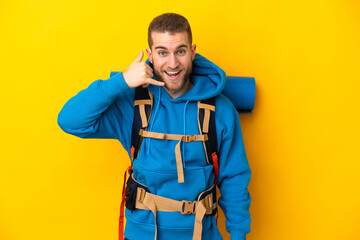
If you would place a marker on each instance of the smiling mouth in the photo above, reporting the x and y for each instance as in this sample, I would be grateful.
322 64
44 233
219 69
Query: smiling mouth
172 75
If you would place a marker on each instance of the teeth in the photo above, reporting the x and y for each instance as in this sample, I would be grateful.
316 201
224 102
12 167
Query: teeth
172 72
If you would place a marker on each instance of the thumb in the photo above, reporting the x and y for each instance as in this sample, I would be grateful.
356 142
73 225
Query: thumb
140 57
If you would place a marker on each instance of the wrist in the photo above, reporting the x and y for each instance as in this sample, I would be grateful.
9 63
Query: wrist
114 85
125 77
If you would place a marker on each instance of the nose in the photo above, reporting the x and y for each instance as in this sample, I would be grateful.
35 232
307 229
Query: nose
173 62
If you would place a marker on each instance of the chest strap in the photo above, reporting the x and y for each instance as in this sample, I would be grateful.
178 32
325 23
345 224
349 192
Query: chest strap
154 203
180 138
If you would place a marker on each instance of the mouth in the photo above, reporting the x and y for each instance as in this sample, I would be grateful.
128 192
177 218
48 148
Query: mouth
172 75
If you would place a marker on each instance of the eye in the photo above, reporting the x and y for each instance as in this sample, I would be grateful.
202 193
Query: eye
162 53
181 52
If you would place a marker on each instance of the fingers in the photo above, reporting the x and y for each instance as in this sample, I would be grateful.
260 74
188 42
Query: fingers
140 57
154 82
140 73
149 71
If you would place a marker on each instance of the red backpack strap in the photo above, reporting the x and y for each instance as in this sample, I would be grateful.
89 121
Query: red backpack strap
207 126
122 205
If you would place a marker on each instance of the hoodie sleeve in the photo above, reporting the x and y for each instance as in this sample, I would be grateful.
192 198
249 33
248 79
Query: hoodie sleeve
100 111
234 176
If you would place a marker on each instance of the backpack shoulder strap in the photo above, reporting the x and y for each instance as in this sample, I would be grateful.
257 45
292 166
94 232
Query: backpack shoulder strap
206 118
142 111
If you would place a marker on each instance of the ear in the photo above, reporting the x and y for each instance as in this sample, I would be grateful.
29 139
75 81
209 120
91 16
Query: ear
193 51
148 51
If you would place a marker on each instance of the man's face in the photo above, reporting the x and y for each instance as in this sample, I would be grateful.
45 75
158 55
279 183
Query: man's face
172 56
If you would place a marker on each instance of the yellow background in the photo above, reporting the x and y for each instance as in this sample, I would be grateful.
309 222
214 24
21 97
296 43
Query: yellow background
302 140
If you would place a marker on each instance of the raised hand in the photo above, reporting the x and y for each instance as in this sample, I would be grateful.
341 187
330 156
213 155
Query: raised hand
139 73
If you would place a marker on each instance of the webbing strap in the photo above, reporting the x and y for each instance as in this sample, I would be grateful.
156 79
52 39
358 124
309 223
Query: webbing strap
143 102
206 121
122 207
179 163
167 136
144 120
200 212
150 204
207 106
180 138
148 201
169 205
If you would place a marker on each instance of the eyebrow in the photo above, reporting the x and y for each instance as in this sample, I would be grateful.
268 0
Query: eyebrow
181 46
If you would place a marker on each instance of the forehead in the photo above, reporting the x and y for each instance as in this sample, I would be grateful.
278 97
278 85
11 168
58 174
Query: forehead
167 40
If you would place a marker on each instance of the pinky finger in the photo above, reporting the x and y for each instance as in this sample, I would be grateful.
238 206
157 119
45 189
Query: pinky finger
155 82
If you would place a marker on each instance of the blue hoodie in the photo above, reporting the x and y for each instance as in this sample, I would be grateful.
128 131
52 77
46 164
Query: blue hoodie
105 110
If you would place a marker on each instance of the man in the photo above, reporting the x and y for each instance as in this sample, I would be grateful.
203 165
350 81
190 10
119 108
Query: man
172 175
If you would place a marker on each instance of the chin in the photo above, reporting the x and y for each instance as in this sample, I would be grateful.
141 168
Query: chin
174 87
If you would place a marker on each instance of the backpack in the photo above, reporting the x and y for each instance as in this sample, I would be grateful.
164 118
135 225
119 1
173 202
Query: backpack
206 118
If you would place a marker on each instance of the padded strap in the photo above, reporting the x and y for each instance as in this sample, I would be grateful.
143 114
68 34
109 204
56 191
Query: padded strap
206 121
142 112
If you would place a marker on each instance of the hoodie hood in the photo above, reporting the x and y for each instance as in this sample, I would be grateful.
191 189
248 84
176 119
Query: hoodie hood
207 78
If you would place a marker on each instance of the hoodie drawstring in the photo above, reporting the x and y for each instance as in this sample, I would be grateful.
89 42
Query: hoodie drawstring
148 145
183 144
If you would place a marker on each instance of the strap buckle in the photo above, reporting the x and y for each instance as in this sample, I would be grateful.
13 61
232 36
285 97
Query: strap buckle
190 138
208 201
140 194
188 207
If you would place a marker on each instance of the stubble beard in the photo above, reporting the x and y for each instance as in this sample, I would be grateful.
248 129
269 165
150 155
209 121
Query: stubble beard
178 88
